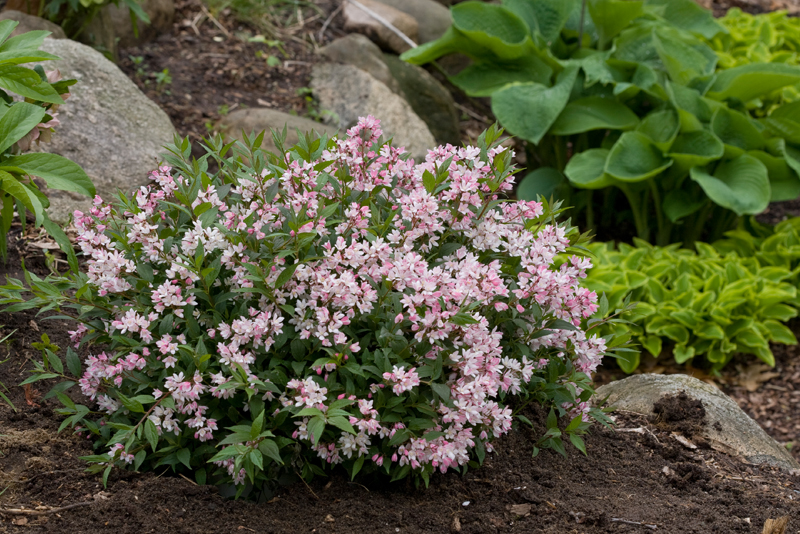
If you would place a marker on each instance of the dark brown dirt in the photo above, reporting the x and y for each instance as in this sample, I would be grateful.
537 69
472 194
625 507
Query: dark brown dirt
680 413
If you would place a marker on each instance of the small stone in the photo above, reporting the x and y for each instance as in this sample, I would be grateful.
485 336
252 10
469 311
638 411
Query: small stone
350 93
432 17
357 50
329 518
108 127
359 20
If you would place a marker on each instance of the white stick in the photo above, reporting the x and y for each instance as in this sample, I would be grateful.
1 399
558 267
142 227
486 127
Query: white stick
385 22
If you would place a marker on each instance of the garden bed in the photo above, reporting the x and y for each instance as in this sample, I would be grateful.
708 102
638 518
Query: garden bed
635 477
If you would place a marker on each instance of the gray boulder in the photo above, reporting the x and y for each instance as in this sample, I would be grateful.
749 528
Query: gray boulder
108 126
356 49
428 98
352 93
263 119
29 23
432 17
357 19
727 427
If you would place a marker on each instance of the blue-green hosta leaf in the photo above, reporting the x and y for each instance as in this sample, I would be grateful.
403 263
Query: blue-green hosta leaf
740 185
693 109
680 203
594 113
597 67
790 154
688 16
544 182
753 80
737 131
682 61
493 27
635 158
57 171
529 110
485 78
586 170
17 122
451 42
697 148
661 127
546 17
635 46
783 180
610 17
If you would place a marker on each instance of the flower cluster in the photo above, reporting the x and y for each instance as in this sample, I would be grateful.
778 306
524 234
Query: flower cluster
339 296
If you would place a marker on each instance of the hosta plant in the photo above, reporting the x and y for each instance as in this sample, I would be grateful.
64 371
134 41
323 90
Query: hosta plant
764 38
29 98
335 304
707 306
622 97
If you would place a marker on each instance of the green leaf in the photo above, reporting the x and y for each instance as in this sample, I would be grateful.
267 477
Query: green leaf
6 27
151 434
131 404
736 130
783 180
696 148
688 16
578 443
544 182
25 82
546 17
594 113
285 275
529 110
442 390
634 158
683 62
17 122
316 426
357 465
653 345
680 203
342 423
779 333
753 80
740 185
493 27
270 449
661 127
484 78
57 171
185 457
74 362
683 353
612 16
18 190
587 169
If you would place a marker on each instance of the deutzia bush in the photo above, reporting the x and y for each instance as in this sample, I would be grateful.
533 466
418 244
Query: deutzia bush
338 304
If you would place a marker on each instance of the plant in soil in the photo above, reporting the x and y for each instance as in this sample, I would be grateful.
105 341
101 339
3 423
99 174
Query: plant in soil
734 297
621 100
334 304
29 99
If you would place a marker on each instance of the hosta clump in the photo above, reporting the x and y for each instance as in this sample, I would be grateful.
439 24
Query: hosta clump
335 305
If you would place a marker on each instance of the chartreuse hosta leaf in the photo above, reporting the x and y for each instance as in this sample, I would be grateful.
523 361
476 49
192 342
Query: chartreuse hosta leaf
706 305
747 82
740 185
542 105
635 158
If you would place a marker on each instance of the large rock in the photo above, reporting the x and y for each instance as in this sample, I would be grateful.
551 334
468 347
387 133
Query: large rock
28 23
432 17
352 93
360 20
112 28
263 119
428 98
108 126
356 49
727 427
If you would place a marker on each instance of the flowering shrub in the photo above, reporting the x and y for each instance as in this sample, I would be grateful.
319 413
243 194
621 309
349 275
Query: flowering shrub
334 305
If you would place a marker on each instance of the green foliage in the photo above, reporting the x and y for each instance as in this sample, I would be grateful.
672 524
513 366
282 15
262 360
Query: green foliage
765 38
732 297
623 98
74 15
22 122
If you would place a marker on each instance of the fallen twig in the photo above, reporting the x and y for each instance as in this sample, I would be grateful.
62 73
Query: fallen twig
328 22
646 525
22 511
406 39
213 19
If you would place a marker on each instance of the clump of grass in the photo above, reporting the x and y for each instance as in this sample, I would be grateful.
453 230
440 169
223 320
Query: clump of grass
274 18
